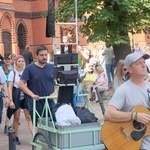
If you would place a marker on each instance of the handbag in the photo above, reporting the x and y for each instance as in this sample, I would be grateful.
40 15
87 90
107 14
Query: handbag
15 98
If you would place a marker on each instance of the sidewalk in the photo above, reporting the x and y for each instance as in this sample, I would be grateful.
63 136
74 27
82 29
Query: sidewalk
24 134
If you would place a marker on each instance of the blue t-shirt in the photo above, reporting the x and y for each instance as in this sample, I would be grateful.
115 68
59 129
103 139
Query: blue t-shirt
40 81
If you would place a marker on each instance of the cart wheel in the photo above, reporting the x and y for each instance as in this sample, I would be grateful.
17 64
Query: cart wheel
42 140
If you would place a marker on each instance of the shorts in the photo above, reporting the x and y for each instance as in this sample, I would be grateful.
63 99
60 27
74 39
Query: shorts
23 104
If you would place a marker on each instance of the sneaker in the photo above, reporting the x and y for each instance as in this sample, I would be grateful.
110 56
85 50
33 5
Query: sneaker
96 101
91 99
18 141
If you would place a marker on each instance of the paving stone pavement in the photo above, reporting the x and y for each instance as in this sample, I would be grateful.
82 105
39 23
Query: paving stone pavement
24 134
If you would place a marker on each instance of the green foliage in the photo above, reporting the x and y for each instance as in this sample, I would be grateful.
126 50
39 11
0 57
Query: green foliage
108 20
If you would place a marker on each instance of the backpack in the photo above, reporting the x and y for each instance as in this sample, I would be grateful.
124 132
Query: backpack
85 115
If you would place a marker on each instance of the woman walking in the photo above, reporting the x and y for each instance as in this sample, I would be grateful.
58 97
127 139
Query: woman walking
17 97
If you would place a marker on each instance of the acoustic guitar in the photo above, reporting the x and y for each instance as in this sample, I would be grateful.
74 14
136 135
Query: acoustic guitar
125 135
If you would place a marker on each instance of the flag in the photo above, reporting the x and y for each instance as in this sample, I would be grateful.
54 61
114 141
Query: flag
50 19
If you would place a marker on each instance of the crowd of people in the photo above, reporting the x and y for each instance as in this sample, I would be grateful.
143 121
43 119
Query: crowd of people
11 68
20 77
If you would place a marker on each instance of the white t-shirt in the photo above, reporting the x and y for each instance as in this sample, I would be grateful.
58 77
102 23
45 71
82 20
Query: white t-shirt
129 95
2 76
16 80
17 77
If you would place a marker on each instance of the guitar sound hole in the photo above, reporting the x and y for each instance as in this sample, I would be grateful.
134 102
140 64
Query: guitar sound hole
138 126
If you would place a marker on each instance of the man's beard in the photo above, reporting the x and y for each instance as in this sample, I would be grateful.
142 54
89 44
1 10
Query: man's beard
43 61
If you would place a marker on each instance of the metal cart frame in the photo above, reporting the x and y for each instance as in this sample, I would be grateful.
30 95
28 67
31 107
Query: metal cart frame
42 140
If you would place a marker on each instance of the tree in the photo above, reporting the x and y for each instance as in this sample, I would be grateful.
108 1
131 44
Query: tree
110 21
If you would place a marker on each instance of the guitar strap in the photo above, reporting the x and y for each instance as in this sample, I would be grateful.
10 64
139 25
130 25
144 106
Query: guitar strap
148 93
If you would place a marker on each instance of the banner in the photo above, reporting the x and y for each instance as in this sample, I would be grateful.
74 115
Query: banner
50 20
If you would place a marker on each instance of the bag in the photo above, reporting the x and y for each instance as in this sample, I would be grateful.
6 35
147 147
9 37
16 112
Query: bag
16 100
68 77
65 59
85 115
16 97
57 70
55 109
65 115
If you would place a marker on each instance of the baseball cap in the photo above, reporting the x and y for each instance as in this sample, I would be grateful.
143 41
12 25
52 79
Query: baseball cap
8 55
133 57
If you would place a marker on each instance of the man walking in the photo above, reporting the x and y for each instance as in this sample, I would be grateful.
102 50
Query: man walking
27 55
39 79
108 57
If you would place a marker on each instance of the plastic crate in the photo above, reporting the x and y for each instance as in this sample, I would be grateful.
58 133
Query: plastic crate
75 136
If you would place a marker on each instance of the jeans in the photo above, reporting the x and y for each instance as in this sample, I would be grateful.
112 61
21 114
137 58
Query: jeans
110 72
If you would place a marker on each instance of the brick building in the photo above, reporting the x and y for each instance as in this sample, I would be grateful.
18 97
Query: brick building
21 23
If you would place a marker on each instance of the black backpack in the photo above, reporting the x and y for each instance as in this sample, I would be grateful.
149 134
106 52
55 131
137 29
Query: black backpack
85 115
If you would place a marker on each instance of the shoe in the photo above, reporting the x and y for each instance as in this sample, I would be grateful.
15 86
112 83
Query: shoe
97 101
109 86
6 129
91 99
18 141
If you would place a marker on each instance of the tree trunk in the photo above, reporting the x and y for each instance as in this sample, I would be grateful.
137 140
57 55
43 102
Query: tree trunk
121 51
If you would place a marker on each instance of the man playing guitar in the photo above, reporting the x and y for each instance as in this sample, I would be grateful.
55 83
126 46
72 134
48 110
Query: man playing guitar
132 93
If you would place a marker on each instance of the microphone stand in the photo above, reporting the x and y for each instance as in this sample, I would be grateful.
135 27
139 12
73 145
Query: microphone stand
100 100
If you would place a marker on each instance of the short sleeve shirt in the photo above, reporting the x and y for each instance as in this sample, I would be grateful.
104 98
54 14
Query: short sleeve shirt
2 76
129 95
15 76
40 81
101 78
108 55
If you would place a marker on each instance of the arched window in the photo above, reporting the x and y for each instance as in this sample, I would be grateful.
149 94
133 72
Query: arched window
7 41
21 38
